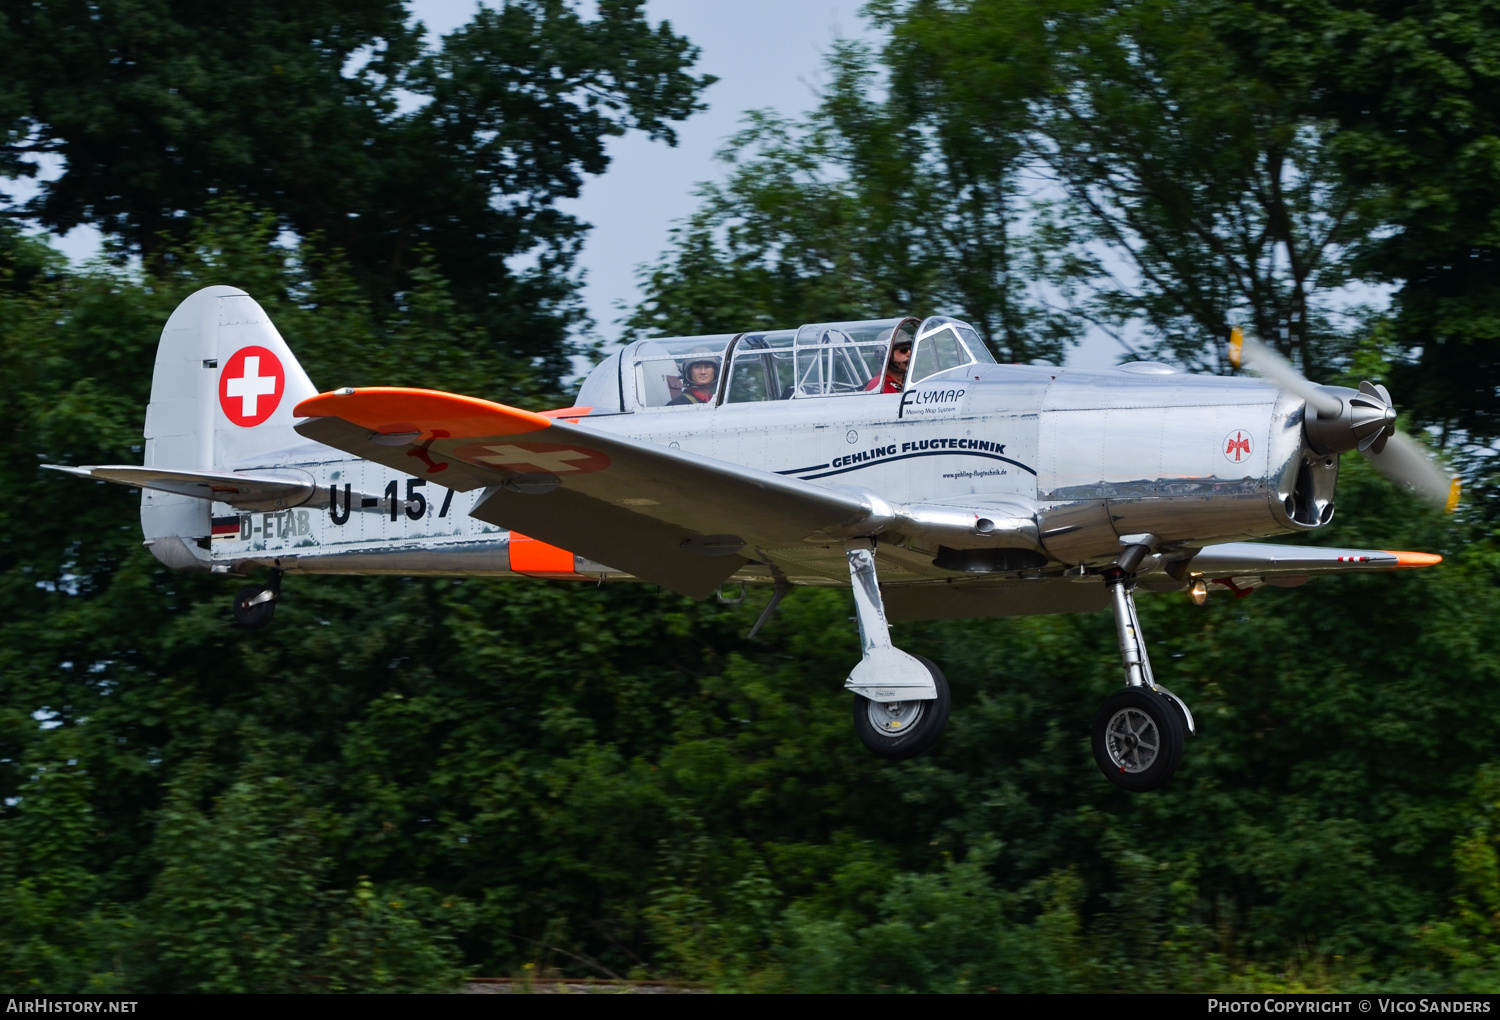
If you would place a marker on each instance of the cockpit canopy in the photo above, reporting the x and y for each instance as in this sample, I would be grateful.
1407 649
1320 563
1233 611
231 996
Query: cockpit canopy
827 359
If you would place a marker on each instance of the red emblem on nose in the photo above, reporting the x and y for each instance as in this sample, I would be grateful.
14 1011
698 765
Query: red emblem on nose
1237 446
251 385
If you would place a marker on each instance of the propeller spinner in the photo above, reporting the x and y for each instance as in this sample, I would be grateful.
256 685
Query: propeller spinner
1344 419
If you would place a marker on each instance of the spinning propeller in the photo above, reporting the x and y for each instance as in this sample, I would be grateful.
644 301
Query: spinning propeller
1342 419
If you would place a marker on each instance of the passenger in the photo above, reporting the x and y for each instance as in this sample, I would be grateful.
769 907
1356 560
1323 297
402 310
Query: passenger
894 380
700 378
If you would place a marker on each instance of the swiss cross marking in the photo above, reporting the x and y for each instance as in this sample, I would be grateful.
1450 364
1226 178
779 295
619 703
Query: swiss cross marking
557 461
251 385
533 458
1237 446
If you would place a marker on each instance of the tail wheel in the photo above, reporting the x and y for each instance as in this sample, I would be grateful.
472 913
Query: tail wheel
903 729
1138 738
254 606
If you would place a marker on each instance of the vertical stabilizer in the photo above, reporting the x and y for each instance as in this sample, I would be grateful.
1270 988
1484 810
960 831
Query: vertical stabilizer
222 393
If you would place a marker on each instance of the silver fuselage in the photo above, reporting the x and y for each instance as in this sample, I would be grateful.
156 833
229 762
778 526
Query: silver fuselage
1191 460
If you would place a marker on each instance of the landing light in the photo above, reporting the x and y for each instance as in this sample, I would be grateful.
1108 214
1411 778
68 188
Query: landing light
1198 591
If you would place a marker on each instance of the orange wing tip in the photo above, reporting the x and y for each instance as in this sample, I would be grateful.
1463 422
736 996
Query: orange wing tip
1454 491
566 412
399 409
1411 560
1236 345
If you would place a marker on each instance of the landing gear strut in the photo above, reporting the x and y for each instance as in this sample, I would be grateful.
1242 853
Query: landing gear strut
1139 732
901 704
255 604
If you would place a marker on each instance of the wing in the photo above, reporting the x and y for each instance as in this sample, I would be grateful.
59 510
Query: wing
1238 567
1246 565
674 518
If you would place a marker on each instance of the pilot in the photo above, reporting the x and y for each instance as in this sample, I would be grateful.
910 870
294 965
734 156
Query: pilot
894 380
700 379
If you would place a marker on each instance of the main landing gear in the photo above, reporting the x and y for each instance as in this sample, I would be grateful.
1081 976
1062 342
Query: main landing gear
255 604
901 701
1139 731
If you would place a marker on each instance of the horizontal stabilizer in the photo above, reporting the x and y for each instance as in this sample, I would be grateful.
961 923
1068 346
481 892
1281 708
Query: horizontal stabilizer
263 489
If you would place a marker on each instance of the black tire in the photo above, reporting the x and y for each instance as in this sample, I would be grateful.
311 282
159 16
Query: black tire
253 617
1138 739
1181 719
918 724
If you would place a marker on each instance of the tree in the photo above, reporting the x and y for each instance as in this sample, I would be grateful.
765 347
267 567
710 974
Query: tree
1188 195
156 108
1410 92
1221 193
1040 169
862 212
406 779
1242 163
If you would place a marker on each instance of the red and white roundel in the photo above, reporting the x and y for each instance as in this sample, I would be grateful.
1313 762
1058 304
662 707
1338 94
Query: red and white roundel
250 386
1236 446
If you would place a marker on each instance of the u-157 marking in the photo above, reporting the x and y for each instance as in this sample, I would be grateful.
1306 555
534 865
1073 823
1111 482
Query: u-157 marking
415 502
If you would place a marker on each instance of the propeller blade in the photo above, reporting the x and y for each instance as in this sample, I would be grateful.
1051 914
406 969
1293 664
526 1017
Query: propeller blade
1272 367
1399 457
1407 462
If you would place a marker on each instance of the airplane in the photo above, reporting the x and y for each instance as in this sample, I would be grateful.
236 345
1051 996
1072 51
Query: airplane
782 458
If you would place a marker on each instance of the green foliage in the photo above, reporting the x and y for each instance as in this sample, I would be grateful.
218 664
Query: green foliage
55 929
1220 163
1188 193
860 212
1464 946
1037 169
241 902
156 110
1411 92
1306 843
405 781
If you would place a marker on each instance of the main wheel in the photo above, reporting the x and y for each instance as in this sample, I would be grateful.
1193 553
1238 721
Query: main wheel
1138 738
251 610
903 729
